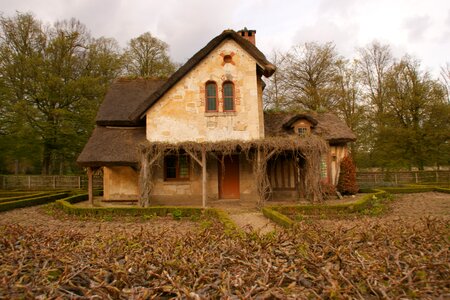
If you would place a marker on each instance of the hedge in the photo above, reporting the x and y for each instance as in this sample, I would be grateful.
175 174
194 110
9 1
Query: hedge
351 207
224 218
6 194
442 190
277 217
26 196
67 206
31 202
409 189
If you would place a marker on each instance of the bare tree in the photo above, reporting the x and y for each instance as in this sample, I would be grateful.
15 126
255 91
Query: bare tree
374 62
445 77
311 72
275 93
147 56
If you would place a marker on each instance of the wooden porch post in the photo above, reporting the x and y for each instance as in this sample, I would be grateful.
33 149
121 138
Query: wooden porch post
204 179
90 192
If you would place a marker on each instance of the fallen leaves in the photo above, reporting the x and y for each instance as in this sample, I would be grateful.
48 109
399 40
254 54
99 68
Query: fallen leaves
389 259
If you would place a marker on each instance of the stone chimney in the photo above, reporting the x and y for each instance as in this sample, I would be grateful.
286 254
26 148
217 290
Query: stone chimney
249 35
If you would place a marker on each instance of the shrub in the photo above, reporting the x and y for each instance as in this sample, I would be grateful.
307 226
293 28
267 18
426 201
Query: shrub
347 177
30 202
328 190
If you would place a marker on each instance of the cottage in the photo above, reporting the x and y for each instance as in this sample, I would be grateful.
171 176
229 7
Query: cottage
202 134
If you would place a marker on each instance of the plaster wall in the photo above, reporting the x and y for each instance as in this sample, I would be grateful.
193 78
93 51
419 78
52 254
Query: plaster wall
337 153
180 114
190 191
120 183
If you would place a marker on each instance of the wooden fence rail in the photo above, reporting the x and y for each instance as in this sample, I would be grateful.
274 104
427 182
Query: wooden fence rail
369 179
41 182
364 179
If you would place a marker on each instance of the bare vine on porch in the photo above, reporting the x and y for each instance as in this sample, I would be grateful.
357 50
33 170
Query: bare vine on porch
310 148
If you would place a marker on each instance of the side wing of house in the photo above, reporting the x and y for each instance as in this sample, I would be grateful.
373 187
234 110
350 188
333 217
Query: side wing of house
283 170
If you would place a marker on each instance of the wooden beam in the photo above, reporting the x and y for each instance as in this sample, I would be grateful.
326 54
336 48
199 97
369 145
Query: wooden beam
270 154
90 174
204 178
195 157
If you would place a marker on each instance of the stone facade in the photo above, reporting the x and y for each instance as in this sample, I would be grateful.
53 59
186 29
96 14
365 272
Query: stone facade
190 191
180 115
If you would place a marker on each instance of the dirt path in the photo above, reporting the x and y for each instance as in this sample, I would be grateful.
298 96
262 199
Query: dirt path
253 221
421 204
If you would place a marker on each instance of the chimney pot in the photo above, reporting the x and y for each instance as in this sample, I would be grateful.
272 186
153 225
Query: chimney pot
248 34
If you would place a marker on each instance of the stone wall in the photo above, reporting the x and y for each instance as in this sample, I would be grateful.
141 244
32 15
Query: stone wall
165 192
180 114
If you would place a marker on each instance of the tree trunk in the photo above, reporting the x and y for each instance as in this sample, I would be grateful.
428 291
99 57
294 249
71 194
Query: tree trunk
46 159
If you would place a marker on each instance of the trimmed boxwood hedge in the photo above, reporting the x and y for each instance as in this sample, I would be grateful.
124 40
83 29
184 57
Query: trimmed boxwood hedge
31 202
278 213
442 190
316 209
224 218
67 206
409 189
24 196
277 217
7 194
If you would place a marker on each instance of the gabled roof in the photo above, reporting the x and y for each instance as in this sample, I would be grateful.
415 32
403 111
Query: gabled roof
266 67
112 146
328 126
123 97
288 125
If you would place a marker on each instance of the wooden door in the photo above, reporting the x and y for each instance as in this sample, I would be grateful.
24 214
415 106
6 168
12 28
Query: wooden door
229 177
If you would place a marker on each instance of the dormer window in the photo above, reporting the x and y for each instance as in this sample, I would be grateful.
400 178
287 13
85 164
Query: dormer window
302 131
211 96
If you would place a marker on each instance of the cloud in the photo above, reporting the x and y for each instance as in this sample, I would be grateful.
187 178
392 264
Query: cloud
417 27
421 28
325 31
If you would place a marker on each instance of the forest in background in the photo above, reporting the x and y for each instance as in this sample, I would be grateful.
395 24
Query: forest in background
54 77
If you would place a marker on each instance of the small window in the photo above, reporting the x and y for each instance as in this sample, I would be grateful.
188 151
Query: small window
227 59
228 96
302 131
323 168
211 96
176 167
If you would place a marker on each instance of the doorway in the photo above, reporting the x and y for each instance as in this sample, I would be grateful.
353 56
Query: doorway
229 177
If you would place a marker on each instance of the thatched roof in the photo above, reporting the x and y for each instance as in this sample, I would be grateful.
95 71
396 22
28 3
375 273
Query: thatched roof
264 65
327 125
122 98
109 146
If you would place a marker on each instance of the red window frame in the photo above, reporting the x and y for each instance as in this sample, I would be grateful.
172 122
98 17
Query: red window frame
208 97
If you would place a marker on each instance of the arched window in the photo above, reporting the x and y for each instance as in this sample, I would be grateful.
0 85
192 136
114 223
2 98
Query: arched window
211 96
228 96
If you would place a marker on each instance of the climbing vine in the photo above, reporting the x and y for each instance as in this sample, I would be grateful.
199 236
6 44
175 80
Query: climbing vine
307 151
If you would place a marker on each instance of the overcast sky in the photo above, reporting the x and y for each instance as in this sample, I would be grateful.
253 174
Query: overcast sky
418 27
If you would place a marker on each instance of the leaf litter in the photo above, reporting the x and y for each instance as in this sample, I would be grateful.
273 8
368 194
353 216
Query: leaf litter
363 259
